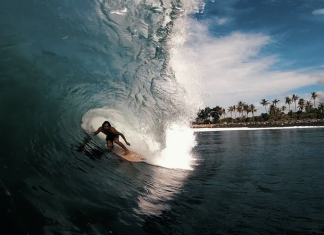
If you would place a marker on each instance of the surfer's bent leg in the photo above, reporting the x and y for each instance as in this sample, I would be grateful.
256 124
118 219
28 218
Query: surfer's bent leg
116 140
110 144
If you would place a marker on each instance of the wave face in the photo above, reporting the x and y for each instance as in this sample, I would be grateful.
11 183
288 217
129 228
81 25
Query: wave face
65 67
66 62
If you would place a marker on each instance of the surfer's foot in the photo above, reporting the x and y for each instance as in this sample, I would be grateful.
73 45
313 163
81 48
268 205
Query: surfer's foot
126 152
110 147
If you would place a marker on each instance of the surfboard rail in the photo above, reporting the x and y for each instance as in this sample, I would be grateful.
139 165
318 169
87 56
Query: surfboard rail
131 156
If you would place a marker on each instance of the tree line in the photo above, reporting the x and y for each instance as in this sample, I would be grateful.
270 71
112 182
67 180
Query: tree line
273 112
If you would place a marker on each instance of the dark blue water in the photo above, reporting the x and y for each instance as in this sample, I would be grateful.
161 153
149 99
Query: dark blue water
261 182
244 182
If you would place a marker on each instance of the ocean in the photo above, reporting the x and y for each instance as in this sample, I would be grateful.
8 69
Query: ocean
67 66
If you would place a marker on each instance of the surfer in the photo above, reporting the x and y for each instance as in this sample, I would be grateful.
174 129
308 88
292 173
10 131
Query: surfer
112 136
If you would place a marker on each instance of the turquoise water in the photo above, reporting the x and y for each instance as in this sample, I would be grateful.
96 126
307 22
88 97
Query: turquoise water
66 66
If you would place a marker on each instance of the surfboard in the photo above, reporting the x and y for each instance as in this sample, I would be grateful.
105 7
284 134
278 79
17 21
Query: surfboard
131 156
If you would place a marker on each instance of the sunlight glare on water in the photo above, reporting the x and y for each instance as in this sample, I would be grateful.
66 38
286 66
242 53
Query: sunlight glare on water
180 140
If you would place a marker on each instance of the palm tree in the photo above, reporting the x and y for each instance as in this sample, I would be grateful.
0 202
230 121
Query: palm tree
265 102
234 110
273 110
220 111
204 114
301 104
246 109
216 113
231 109
240 105
308 106
314 96
274 102
283 108
321 106
288 101
253 109
295 98
240 110
224 112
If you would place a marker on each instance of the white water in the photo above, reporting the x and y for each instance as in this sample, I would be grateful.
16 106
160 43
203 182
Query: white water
251 129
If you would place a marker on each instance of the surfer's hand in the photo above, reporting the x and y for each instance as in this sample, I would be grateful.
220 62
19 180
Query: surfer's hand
88 132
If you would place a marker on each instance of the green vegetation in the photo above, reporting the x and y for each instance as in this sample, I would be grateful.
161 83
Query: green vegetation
303 110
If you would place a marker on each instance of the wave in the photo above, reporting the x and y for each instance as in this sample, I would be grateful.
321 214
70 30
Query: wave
83 63
67 66
86 60
147 97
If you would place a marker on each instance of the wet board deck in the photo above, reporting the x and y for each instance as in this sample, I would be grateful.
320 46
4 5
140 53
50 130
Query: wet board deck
132 156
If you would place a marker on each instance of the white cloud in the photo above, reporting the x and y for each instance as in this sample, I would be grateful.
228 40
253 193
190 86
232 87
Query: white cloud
221 21
320 79
232 68
318 12
320 96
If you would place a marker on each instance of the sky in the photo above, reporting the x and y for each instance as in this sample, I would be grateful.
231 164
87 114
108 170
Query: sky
249 50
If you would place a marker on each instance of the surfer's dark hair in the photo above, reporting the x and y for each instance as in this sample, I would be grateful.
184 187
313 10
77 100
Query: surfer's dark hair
106 122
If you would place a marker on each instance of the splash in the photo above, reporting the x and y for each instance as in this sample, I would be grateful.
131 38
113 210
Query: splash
180 140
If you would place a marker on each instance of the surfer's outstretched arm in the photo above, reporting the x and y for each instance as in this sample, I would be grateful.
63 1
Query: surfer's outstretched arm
94 133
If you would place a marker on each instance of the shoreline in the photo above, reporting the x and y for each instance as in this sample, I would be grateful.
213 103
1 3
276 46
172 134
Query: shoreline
310 122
